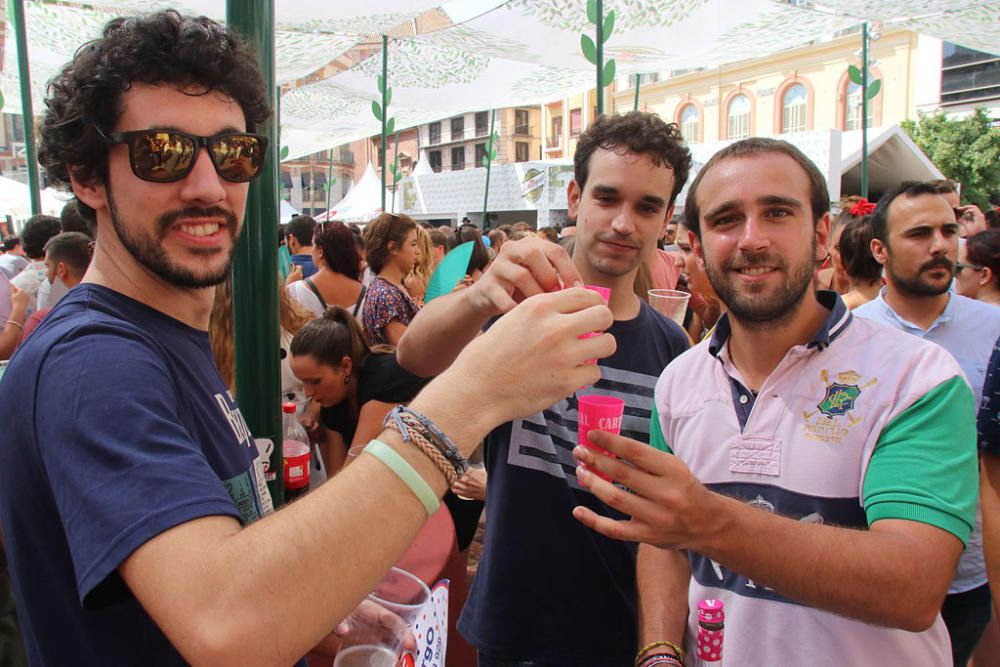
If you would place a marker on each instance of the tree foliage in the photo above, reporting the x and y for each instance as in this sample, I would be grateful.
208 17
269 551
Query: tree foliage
966 150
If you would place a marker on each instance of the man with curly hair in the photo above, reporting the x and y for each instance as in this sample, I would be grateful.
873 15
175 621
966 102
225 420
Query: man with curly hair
546 591
132 499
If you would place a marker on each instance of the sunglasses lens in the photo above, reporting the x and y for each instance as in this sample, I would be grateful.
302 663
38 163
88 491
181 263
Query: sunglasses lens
161 156
238 157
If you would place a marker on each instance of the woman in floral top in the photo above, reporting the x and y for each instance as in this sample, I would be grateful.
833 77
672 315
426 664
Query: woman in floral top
391 250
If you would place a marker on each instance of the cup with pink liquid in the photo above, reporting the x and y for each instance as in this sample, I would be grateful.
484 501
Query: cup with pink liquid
605 294
598 413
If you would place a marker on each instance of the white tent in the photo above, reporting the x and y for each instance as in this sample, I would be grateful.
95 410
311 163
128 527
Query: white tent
362 203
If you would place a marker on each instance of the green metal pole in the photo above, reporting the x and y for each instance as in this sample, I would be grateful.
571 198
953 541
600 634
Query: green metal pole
864 110
385 110
27 114
255 269
489 163
635 105
600 57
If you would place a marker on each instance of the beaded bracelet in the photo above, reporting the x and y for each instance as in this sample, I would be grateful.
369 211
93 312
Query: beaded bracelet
410 422
661 659
664 643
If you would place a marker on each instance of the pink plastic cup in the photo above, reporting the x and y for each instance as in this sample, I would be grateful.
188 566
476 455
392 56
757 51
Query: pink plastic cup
605 294
598 413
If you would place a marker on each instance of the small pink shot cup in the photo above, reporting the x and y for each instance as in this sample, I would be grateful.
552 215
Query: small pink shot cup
605 294
598 413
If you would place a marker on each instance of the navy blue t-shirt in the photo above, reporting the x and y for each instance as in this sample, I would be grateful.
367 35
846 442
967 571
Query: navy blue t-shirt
548 588
306 262
117 427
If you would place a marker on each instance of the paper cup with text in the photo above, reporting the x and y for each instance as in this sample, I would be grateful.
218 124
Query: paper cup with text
598 413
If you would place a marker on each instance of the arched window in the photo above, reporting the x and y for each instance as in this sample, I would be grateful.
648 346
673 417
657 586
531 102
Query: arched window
852 108
738 115
689 124
793 108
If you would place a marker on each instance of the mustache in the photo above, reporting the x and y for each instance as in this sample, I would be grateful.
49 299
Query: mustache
750 260
938 263
171 217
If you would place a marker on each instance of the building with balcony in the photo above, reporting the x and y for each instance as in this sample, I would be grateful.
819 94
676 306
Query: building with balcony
459 142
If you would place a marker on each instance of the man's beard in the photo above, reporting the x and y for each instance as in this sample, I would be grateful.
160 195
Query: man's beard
915 284
150 252
765 310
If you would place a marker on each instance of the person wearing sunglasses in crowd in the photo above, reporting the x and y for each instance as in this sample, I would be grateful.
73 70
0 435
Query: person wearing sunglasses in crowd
976 274
133 508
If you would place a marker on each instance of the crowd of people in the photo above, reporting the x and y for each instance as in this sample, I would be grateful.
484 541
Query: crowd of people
806 448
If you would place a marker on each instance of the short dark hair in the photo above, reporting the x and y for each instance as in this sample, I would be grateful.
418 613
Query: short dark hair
880 216
819 197
943 186
303 228
72 248
983 249
340 249
37 232
84 99
438 238
10 242
72 221
636 132
380 232
855 247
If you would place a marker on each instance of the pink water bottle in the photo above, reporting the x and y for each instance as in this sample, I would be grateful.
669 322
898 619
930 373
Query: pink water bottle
711 619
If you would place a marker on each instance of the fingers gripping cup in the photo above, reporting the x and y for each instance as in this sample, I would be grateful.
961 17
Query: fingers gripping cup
598 413
381 624
605 294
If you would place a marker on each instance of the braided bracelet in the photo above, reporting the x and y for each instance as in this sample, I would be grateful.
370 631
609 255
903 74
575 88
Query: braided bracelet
416 421
424 445
664 643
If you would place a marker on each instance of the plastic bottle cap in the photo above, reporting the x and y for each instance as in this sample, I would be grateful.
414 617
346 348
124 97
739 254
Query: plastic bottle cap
288 408
711 611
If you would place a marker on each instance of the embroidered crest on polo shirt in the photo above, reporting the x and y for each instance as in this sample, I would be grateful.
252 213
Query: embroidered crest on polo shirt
835 413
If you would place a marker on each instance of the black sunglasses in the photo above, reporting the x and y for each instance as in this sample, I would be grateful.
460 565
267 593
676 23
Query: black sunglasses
166 156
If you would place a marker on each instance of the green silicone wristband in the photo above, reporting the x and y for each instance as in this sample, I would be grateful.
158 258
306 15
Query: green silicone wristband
405 472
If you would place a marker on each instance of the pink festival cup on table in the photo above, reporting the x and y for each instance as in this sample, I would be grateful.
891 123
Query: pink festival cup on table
598 413
605 294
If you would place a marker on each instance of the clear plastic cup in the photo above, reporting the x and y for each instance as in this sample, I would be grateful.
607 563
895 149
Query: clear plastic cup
670 302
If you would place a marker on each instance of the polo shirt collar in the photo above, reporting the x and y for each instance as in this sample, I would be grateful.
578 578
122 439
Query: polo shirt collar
836 323
947 315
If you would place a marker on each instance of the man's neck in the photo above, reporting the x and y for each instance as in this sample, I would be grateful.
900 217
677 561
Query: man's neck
756 350
127 276
623 302
304 250
916 308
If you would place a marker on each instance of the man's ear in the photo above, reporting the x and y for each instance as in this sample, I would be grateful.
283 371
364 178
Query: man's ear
985 276
62 271
879 251
666 220
91 193
822 238
697 249
573 194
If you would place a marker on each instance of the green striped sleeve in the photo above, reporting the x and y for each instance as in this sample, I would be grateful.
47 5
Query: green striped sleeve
924 464
656 432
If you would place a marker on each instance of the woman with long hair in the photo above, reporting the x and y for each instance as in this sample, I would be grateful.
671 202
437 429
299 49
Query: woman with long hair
854 259
392 250
337 282
416 280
